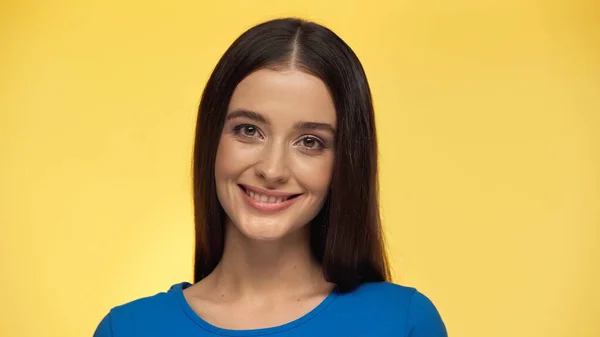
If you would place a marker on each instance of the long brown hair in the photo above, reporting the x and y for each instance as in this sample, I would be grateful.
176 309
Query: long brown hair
346 235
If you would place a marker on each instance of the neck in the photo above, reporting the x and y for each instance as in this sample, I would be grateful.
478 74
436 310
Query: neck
259 268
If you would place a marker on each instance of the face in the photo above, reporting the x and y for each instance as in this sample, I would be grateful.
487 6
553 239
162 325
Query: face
275 157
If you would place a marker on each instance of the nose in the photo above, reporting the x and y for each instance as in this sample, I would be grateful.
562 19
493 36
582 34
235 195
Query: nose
272 167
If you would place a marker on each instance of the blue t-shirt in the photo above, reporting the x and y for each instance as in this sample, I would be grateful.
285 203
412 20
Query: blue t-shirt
373 309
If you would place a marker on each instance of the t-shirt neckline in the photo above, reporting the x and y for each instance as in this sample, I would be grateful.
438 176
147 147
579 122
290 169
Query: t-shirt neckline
177 290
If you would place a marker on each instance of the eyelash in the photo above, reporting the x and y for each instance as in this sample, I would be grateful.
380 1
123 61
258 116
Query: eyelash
238 130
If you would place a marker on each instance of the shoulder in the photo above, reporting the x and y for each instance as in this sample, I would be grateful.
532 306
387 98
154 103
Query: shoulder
142 314
148 307
385 294
397 306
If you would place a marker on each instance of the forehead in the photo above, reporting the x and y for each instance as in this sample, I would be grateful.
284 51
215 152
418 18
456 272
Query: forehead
288 95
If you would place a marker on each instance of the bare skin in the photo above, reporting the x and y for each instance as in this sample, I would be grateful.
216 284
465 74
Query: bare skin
267 276
274 286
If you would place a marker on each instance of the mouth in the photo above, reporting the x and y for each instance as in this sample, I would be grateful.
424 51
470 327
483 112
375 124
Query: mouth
269 197
268 201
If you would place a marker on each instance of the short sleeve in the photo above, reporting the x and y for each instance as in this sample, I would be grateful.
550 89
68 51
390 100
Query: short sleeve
424 319
104 329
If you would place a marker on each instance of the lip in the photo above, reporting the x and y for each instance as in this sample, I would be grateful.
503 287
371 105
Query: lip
265 206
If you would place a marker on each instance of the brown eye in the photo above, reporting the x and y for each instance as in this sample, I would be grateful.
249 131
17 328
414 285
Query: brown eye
311 143
246 130
249 130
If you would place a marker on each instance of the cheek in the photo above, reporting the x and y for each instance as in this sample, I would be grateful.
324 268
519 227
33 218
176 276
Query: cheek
227 163
222 164
315 173
232 158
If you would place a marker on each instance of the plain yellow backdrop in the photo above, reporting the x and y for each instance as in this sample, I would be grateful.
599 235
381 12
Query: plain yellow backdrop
488 116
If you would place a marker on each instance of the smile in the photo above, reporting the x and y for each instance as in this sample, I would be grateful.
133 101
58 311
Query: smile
266 200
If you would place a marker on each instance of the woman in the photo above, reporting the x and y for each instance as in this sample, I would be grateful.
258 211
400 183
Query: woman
288 235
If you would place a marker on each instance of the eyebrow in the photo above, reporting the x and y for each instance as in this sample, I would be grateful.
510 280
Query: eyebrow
255 116
314 126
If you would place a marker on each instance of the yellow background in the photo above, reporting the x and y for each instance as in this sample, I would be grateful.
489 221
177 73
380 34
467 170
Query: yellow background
489 124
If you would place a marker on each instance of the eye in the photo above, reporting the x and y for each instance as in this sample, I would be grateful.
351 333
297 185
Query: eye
246 130
311 142
249 130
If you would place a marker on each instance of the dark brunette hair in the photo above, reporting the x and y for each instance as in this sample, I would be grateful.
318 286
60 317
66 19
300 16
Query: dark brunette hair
346 235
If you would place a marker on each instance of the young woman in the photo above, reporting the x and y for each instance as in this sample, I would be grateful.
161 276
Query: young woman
288 235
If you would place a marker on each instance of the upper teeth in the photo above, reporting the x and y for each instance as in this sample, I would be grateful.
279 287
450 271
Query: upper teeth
265 198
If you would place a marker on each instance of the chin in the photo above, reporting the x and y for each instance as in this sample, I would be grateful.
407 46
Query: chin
266 231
